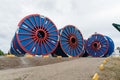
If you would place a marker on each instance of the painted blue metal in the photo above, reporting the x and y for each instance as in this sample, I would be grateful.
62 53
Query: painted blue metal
70 42
15 48
99 45
111 46
36 35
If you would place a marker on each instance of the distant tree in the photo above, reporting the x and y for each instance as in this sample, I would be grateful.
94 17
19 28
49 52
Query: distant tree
1 53
8 53
118 48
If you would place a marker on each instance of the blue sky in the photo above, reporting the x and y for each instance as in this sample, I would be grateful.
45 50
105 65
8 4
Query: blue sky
89 16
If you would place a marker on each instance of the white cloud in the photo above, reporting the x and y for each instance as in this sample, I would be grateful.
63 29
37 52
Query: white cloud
89 16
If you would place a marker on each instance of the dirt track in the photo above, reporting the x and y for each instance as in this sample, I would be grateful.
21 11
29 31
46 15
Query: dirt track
79 69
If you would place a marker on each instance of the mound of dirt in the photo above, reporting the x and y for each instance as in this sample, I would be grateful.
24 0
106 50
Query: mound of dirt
21 62
79 69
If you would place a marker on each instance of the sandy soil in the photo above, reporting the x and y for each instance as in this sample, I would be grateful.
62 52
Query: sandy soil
78 69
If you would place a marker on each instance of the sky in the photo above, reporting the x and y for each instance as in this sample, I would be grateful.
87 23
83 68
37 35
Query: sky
89 16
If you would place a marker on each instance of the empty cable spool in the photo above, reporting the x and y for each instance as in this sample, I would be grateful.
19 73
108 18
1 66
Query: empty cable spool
36 35
99 45
70 42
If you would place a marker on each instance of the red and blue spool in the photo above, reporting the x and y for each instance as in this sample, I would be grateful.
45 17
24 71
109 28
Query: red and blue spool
70 42
37 35
111 47
99 45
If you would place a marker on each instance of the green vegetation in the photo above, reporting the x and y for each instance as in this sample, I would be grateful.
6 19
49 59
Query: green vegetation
1 53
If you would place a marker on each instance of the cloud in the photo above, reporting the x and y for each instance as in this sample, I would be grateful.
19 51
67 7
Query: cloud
87 16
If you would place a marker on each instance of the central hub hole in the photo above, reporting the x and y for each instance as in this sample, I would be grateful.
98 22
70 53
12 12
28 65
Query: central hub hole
41 34
95 45
73 40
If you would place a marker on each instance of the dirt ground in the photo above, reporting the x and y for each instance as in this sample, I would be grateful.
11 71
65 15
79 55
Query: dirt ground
76 69
111 71
21 62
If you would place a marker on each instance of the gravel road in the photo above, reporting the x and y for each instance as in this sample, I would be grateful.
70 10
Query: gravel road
78 69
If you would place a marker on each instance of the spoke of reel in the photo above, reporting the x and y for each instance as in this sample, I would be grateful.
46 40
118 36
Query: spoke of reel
35 20
53 31
45 47
25 34
25 39
31 22
32 46
28 43
28 25
50 27
26 29
50 42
